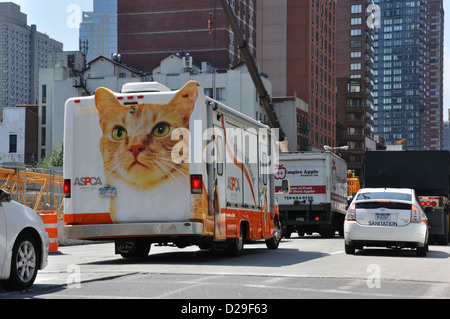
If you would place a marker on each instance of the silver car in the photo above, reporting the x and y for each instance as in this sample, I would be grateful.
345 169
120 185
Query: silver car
23 244
386 217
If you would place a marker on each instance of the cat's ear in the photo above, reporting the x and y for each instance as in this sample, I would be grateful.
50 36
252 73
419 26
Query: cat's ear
188 94
105 99
106 104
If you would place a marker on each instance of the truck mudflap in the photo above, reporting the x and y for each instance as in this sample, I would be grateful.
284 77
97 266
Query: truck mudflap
133 230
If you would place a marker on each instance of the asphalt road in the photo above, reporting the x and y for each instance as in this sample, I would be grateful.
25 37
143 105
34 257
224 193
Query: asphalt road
302 268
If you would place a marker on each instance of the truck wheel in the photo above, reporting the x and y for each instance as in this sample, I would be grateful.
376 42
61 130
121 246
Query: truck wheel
236 246
136 248
274 242
24 263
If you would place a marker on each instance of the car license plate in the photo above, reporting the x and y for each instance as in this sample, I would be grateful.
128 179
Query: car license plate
382 217
107 192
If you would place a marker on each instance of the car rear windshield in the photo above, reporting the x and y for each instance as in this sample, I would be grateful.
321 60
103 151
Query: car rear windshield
388 205
384 196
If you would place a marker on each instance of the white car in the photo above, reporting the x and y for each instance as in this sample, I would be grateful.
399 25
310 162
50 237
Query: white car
386 217
23 244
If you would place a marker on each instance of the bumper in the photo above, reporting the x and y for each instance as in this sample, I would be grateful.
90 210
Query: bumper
412 234
133 230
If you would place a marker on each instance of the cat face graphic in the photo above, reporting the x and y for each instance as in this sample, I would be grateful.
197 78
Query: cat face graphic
137 143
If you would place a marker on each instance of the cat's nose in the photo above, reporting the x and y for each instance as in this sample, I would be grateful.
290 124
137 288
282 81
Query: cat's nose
136 149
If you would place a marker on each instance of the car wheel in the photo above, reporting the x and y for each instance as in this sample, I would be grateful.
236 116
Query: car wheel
24 263
349 249
422 251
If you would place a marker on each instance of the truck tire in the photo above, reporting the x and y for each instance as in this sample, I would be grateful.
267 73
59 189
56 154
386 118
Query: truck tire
274 242
236 246
139 249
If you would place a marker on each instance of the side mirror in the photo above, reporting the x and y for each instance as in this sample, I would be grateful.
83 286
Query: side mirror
285 186
4 196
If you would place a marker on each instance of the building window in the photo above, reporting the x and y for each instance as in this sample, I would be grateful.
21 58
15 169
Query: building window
13 143
355 66
220 94
355 55
44 94
355 32
356 8
356 21
354 87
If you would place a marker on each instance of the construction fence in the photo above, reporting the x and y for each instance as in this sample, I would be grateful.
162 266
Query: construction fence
38 188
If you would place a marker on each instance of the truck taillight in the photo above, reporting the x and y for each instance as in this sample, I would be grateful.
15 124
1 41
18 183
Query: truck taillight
351 213
196 184
67 188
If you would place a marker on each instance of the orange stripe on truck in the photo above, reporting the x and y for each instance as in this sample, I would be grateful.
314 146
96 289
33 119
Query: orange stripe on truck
87 219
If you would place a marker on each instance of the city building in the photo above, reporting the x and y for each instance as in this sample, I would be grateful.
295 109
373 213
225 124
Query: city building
67 77
355 82
24 51
433 119
18 135
296 49
232 87
98 30
408 60
148 31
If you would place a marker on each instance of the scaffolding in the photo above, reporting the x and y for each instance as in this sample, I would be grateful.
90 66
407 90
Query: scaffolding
39 189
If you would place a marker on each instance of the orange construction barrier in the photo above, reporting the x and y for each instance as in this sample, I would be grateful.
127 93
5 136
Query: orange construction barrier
51 226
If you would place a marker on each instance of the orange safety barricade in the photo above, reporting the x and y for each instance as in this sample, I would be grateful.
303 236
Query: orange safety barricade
51 226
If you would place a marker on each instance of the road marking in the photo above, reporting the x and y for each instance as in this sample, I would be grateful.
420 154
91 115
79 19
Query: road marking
337 252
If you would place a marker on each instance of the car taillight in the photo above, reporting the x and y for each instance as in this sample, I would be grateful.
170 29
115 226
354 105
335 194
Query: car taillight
196 184
351 213
416 215
67 188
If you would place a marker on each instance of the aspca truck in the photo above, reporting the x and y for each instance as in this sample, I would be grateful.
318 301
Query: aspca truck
150 165
317 198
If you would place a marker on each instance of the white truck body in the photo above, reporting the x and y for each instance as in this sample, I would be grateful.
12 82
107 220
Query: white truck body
165 166
318 190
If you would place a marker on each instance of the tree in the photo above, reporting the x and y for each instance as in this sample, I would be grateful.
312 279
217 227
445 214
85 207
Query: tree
55 158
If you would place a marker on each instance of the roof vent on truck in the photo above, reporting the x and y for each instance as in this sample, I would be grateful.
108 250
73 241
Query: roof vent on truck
136 87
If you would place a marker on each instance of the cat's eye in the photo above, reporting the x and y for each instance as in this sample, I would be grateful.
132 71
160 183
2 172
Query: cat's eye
162 129
119 133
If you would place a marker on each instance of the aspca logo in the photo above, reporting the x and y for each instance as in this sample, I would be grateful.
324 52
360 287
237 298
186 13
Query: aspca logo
280 172
87 181
234 184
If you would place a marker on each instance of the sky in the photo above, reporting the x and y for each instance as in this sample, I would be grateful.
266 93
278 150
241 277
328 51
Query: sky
60 20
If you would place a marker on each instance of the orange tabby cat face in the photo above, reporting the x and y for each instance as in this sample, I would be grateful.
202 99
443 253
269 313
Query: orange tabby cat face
136 144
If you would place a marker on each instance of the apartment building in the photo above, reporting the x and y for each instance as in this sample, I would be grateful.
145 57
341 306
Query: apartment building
150 30
355 81
296 48
408 104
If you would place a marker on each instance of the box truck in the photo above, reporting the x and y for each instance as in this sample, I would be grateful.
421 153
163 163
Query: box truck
317 198
150 165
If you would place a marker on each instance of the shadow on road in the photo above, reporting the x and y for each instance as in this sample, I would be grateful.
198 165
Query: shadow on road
255 255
